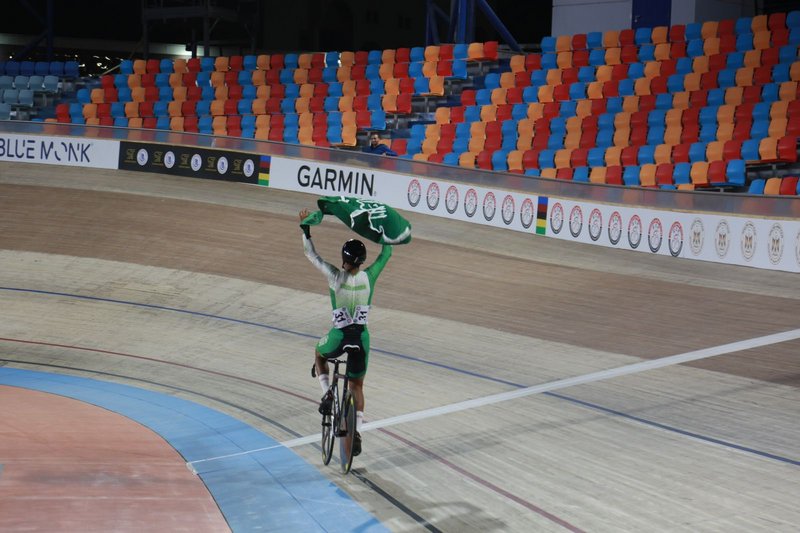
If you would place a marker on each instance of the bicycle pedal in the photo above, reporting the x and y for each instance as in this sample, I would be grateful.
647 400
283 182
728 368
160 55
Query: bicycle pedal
313 370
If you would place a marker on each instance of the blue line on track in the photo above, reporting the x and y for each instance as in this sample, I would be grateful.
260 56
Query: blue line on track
272 490
576 401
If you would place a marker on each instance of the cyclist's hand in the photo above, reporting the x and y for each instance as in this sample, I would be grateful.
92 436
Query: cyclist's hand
303 215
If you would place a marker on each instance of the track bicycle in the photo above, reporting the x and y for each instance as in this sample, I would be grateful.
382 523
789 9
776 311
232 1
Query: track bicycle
340 422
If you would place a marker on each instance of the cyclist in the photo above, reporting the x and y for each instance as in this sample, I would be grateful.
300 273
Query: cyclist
351 290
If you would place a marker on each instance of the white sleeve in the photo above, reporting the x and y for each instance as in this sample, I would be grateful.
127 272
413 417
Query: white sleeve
330 271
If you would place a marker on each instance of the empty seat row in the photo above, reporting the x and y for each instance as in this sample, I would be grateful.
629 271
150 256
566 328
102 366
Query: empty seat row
433 53
46 83
63 69
775 22
784 186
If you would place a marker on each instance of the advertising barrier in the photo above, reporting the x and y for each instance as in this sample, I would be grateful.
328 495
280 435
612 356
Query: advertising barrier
749 241
189 161
723 228
71 151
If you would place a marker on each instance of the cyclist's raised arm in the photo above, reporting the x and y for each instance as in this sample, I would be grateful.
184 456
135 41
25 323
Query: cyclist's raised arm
380 262
310 252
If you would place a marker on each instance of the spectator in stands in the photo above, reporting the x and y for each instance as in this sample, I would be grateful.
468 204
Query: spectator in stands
374 146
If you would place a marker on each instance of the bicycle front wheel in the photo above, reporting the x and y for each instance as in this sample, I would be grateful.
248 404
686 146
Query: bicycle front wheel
347 430
328 436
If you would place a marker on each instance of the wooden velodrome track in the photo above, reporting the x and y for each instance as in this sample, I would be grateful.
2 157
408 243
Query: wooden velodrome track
464 312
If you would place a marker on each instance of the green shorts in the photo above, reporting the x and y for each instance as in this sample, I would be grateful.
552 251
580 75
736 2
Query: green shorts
331 345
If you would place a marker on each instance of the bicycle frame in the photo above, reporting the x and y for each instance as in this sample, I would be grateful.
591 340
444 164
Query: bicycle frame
341 422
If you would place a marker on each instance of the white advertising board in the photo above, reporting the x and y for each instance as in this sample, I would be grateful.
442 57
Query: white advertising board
71 151
756 242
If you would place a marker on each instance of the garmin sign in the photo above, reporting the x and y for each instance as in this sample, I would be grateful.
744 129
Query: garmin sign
59 151
306 176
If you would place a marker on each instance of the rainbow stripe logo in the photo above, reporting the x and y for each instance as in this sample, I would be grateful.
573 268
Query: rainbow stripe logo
263 170
541 216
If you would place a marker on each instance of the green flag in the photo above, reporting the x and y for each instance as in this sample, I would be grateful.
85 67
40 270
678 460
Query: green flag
372 220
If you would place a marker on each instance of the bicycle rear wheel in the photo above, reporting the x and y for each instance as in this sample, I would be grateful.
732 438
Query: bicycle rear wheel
347 431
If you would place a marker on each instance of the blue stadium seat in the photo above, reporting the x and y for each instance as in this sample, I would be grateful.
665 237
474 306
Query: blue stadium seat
204 124
162 79
548 44
56 68
586 74
460 51
121 122
735 60
417 54
580 174
750 150
597 57
694 48
626 87
682 173
5 111
664 101
206 64
377 86
203 107
697 152
643 36
735 172
250 92
335 89
290 134
377 119
646 154
550 61
655 135
694 31
165 93
743 25
684 65
451 158
165 66
331 60
375 57
596 157
647 52
41 68
547 159
460 69
126 67
499 160
594 39
162 123
530 94
757 186
292 91
204 78
245 78
630 176
373 72
72 69
744 42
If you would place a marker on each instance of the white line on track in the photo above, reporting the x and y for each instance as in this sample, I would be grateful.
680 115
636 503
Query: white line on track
544 387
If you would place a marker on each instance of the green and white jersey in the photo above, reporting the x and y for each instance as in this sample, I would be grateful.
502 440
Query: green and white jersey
350 293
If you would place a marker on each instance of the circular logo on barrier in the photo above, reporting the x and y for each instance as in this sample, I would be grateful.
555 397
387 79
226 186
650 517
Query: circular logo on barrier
748 240
197 162
576 221
470 202
675 239
696 236
615 228
722 239
169 159
451 199
489 206
222 165
526 213
142 157
432 197
775 244
797 248
557 218
508 209
414 193
595 224
655 235
249 167
635 231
